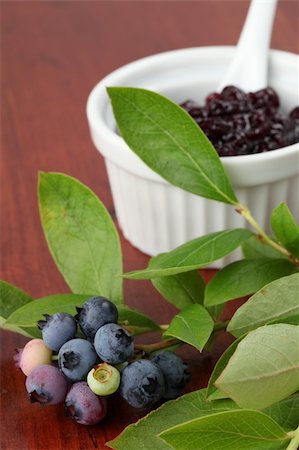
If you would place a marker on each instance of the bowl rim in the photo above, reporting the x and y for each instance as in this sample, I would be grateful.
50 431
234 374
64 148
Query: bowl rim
98 100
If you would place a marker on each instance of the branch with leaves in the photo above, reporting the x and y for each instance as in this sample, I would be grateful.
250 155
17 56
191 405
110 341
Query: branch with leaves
252 391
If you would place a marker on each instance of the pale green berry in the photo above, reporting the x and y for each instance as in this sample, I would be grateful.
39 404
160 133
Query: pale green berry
103 379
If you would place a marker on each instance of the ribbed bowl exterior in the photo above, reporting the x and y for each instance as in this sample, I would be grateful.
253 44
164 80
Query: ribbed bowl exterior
157 217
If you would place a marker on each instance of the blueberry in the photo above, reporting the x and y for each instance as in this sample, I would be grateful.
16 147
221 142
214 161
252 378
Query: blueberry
57 329
142 383
294 114
84 406
34 354
175 371
255 115
113 344
47 385
95 313
75 358
232 93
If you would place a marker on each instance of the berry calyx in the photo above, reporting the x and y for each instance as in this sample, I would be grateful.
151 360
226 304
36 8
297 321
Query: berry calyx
175 371
103 379
94 313
46 385
83 405
57 329
113 344
142 383
75 358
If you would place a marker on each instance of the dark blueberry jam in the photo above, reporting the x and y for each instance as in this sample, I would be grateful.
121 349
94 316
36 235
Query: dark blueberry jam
241 124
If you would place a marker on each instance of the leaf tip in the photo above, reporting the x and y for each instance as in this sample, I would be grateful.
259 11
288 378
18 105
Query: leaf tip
41 175
111 90
110 444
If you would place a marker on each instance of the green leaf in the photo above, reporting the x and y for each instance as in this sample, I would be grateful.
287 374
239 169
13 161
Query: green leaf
286 412
277 300
142 434
219 367
285 228
181 290
264 368
184 289
292 320
229 430
27 332
245 277
28 315
12 298
255 248
81 236
194 254
168 140
217 395
193 325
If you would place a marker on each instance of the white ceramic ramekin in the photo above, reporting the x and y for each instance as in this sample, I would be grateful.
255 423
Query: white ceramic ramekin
156 216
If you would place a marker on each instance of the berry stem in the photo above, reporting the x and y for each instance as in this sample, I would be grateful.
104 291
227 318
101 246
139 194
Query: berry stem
218 328
150 348
245 212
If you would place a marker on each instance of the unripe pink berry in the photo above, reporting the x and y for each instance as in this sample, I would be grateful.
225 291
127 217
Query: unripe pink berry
34 354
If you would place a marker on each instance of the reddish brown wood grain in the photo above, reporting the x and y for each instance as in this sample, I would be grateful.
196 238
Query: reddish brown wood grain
53 53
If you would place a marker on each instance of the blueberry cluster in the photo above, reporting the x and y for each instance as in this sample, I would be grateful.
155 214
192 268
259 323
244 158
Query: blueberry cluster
144 382
82 367
239 123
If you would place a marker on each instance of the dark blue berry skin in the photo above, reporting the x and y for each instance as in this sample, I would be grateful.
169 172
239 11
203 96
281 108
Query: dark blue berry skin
175 373
239 124
113 344
142 384
84 406
95 313
75 358
46 385
57 329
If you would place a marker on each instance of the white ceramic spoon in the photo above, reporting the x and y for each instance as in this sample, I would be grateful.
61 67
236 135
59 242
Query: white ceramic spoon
249 67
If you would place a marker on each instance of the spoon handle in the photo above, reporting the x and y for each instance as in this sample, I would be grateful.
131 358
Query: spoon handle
249 67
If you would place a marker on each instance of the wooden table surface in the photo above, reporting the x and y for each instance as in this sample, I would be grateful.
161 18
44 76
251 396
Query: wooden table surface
53 53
